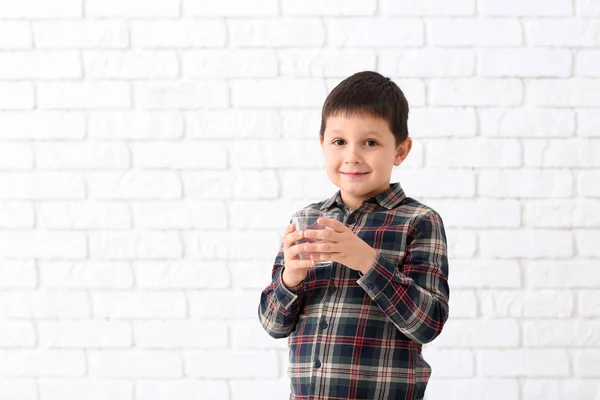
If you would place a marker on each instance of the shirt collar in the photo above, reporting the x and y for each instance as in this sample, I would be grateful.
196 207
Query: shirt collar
388 199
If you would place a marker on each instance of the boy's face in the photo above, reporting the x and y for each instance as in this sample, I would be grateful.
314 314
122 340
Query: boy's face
360 153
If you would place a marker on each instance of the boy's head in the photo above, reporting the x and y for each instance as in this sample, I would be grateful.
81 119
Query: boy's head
364 134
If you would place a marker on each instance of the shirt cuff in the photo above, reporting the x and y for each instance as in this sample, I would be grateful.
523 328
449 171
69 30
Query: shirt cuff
378 277
285 296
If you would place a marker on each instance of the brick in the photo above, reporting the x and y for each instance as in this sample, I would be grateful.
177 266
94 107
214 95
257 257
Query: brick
178 34
84 215
235 305
561 333
181 95
152 185
44 304
580 153
475 32
375 32
18 274
308 185
565 93
135 245
301 124
16 96
182 389
71 389
588 8
588 123
587 243
180 215
136 64
231 364
589 303
138 125
233 124
479 388
461 243
284 32
85 275
250 335
433 182
482 333
49 244
277 93
135 364
17 388
40 9
85 334
16 214
525 183
429 8
565 213
246 184
179 155
83 95
275 154
238 8
478 213
526 243
140 305
551 274
42 363
81 156
524 363
42 125
588 63
463 303
585 363
315 8
16 156
251 274
527 8
526 303
132 9
476 92
40 65
563 32
426 63
558 389
229 64
450 363
17 334
181 275
587 183
524 63
42 185
442 122
473 153
265 214
324 63
80 34
14 34
266 389
180 334
486 273
527 123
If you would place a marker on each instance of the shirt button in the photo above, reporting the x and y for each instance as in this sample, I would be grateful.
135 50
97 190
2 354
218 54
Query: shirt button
323 324
370 286
317 364
332 288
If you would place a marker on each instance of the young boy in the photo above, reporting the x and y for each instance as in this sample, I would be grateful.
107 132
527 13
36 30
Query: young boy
355 329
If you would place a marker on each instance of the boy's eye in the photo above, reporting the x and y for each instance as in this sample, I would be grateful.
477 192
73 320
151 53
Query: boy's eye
338 142
373 143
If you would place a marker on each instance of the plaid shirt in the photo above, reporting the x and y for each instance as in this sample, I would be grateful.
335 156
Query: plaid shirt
354 336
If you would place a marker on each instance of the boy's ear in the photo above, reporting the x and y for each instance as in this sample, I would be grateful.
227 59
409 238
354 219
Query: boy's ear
402 151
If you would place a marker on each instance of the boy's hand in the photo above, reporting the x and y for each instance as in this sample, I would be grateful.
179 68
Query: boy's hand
295 270
341 245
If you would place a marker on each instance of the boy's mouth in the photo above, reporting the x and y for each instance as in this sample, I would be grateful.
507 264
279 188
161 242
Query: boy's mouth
354 173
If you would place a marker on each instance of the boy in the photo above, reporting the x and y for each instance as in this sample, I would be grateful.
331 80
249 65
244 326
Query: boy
355 329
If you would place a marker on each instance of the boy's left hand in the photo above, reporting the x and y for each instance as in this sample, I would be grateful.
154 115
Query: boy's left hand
340 244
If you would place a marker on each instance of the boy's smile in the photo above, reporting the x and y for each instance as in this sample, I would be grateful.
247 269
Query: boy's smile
360 152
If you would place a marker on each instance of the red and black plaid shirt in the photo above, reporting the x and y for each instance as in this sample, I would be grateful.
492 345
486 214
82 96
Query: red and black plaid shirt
354 336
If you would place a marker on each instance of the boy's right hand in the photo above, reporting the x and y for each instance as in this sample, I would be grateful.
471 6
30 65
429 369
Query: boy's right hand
295 269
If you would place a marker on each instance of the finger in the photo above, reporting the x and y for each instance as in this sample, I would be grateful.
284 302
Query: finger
321 248
332 223
299 264
325 257
291 238
323 234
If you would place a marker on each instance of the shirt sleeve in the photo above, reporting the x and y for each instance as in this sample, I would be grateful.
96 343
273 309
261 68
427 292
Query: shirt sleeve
415 295
279 306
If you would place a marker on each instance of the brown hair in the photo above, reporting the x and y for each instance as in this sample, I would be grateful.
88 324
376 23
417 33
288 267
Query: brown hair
369 93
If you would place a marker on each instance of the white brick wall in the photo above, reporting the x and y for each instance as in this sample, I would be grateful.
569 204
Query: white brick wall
151 153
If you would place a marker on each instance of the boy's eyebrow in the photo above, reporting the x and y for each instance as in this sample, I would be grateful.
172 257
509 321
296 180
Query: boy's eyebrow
366 132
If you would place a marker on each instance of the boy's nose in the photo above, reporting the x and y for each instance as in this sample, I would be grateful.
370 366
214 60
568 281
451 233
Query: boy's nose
352 156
